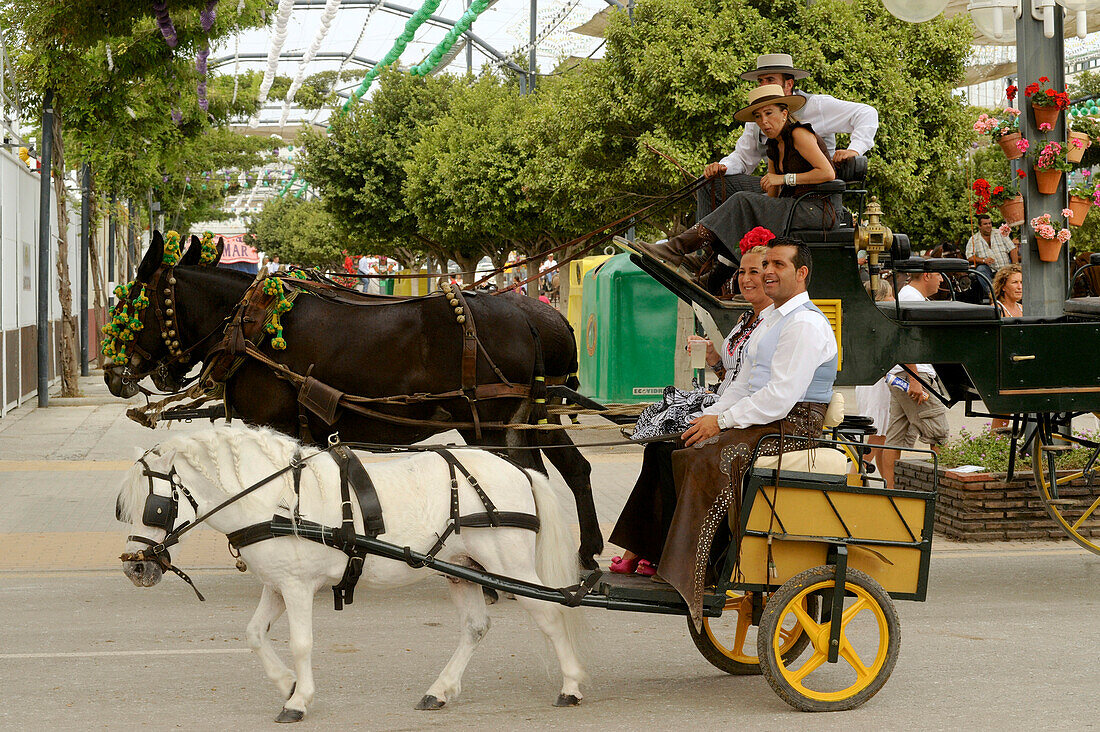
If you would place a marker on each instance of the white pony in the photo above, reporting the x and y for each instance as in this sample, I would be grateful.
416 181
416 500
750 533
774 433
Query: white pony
414 493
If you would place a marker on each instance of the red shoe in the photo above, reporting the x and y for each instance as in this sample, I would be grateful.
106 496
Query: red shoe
645 568
624 566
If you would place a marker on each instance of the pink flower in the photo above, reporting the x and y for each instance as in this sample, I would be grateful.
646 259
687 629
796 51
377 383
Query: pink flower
1046 231
1063 235
1066 212
1022 144
1045 127
1013 111
1005 229
1077 142
1086 172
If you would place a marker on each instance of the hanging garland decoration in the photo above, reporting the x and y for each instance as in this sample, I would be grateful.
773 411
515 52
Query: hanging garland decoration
122 326
352 51
278 38
425 67
171 249
416 20
274 326
209 251
551 26
206 17
327 16
164 22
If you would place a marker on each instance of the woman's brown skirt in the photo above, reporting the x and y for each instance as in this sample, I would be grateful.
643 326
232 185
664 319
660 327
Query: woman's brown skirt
706 481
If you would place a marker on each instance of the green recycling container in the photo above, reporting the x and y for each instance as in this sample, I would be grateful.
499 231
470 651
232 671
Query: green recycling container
386 286
628 334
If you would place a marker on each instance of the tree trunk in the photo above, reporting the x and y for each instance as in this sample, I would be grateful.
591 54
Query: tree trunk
100 292
68 358
467 265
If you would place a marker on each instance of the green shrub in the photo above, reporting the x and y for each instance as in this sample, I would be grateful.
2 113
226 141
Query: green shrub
990 451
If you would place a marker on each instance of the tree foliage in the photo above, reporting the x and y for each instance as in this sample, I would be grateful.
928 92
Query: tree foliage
298 232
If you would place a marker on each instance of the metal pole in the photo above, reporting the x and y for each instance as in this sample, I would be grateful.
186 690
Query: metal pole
469 46
531 62
85 235
46 168
1045 283
112 235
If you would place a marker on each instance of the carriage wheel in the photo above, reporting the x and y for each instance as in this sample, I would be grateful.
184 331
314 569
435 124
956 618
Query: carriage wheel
869 640
1075 509
729 642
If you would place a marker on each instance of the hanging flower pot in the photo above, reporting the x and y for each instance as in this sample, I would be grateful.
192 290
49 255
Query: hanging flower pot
1080 208
1047 115
1049 249
1012 211
1009 143
1076 150
1047 180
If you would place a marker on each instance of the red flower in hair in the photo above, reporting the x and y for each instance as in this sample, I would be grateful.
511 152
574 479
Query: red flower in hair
758 237
1010 92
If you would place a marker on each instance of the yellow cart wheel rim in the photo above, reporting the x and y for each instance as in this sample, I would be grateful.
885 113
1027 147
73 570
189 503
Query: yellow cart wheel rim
742 605
1050 502
819 637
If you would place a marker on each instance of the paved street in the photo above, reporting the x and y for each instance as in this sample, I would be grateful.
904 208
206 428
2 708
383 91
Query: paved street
1005 641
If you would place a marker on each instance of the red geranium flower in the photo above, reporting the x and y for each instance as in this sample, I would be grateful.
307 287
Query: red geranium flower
1051 92
998 189
1021 173
1043 79
1010 92
1031 89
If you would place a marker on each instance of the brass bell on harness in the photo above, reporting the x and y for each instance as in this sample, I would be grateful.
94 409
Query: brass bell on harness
167 290
171 332
169 311
171 280
454 301
461 318
164 335
168 302
458 311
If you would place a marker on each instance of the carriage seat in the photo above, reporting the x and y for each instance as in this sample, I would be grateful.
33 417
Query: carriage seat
934 311
934 264
827 460
1085 307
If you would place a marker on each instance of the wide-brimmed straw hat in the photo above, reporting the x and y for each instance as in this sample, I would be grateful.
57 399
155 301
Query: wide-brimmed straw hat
774 63
762 96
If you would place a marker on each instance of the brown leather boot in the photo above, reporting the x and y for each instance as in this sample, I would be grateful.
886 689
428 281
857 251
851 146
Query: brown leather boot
675 249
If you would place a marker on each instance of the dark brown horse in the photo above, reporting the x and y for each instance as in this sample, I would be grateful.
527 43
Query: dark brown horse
398 348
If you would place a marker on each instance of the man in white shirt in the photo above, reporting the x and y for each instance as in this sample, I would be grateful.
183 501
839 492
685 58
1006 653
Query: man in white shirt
826 114
913 412
784 386
771 383
273 266
989 250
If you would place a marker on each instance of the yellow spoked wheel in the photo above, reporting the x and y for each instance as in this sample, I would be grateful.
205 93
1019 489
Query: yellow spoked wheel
869 639
729 642
1075 508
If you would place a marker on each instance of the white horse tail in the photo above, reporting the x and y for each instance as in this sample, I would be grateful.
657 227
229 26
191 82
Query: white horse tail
556 560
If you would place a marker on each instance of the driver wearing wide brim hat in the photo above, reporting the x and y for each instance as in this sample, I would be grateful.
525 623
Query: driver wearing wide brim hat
774 63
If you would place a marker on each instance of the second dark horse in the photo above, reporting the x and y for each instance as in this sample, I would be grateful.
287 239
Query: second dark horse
405 347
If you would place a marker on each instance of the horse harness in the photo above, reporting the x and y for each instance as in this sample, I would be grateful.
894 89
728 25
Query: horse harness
161 512
244 330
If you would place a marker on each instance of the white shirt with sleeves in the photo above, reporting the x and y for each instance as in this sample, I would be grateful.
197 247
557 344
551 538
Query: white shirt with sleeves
826 114
912 294
805 343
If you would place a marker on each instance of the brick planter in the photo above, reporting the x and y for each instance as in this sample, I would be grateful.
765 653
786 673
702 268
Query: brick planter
983 507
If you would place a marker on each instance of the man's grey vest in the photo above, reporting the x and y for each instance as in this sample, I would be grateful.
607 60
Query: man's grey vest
821 386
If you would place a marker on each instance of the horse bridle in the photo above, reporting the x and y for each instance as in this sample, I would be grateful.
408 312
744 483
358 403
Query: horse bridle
160 512
167 321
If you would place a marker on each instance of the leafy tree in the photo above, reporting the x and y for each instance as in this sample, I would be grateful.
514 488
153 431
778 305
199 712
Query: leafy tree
298 232
359 166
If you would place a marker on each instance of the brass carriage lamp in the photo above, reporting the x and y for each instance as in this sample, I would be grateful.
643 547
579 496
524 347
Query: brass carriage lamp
875 237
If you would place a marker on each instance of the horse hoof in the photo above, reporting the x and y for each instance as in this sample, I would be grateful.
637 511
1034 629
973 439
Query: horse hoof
491 595
429 703
292 688
290 715
566 700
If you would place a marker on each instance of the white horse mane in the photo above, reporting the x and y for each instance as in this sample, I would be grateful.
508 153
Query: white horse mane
199 450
